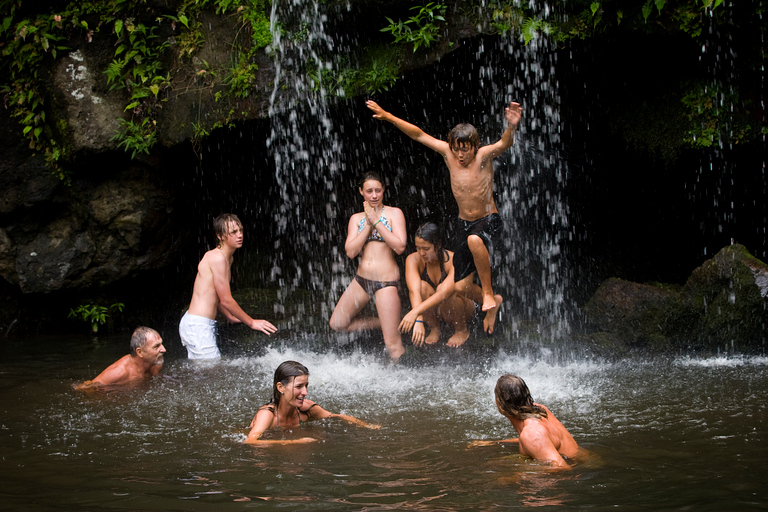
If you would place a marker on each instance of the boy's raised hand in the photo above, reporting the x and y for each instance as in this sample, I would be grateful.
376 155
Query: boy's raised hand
378 112
513 113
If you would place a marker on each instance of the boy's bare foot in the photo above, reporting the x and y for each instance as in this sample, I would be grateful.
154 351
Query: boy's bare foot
458 339
489 301
490 316
434 335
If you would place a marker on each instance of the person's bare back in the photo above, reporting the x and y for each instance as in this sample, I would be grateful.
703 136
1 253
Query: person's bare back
539 435
205 299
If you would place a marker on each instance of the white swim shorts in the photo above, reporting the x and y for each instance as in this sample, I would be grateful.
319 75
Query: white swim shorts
198 334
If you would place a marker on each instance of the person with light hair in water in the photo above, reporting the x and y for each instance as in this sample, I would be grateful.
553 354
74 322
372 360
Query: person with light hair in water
212 294
289 407
377 234
144 362
541 436
429 275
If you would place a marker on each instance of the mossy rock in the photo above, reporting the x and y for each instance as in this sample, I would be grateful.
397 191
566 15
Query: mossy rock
729 293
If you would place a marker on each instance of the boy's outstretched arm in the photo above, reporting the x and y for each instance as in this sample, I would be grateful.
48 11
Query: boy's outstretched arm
512 114
409 129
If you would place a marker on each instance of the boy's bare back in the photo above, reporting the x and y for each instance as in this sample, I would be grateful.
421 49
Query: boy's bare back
205 300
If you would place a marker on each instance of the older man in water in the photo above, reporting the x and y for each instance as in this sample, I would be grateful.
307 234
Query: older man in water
144 361
540 435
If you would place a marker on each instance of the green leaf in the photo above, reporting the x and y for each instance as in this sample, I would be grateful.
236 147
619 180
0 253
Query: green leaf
660 4
646 11
132 105
594 7
118 27
184 20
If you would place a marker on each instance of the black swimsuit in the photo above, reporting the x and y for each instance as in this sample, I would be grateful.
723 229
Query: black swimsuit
425 277
371 287
274 411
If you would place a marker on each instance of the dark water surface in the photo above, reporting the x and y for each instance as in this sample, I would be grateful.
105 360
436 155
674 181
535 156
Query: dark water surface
679 433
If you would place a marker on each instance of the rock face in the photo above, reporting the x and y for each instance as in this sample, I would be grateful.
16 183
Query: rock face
89 235
723 305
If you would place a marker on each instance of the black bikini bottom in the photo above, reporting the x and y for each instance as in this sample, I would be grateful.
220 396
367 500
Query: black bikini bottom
371 287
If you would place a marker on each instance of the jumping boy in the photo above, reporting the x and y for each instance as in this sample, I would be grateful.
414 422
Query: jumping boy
471 169
212 293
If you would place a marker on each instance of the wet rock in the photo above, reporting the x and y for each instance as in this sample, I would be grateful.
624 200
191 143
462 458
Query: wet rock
94 234
628 314
729 296
723 306
91 112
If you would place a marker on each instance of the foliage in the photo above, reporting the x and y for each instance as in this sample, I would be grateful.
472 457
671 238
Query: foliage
712 118
31 38
136 137
26 45
95 314
380 77
420 29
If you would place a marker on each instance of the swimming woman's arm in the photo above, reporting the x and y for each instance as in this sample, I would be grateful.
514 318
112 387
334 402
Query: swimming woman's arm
486 442
261 423
315 412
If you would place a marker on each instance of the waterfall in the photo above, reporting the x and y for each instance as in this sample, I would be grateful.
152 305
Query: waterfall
320 144
305 147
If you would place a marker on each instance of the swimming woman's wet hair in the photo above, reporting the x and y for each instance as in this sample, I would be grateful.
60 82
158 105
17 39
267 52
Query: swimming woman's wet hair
430 232
285 373
140 338
464 133
222 222
370 175
514 398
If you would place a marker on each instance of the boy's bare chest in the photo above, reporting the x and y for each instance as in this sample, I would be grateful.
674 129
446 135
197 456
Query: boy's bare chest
471 180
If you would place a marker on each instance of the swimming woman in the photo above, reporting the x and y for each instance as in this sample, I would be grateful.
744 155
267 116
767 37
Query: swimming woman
290 407
429 275
378 234
540 435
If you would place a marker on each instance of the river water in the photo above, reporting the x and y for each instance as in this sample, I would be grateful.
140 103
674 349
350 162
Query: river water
671 433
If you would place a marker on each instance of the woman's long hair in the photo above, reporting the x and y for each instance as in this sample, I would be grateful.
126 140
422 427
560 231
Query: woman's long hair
285 373
514 399
429 232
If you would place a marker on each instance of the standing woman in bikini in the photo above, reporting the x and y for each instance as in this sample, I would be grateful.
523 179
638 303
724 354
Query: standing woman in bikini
378 234
429 276
289 407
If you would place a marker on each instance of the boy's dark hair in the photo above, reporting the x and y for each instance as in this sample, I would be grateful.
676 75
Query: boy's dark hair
222 222
464 133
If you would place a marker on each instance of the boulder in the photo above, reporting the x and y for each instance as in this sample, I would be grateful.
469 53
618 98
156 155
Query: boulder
723 306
